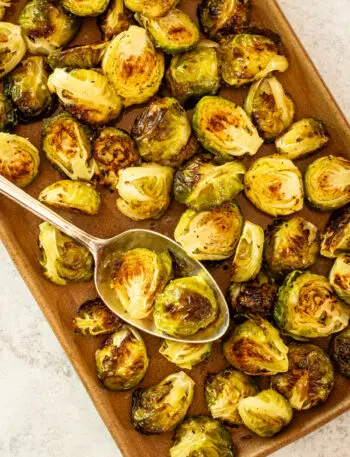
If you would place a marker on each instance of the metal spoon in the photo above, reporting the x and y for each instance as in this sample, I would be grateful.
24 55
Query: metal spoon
106 252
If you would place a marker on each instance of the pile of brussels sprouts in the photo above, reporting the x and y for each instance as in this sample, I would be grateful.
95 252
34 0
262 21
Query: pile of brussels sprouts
153 53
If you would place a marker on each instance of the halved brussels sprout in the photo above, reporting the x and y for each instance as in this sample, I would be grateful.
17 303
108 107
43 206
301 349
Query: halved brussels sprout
3 5
173 33
340 352
339 277
46 26
202 436
248 257
336 238
202 184
63 260
133 66
19 159
291 244
67 145
72 195
162 132
186 306
151 8
138 278
310 377
327 183
8 114
85 7
115 20
122 361
185 355
250 56
212 234
12 47
302 139
254 298
113 150
274 185
223 17
144 191
195 73
308 307
86 56
27 86
223 392
86 94
266 413
160 408
270 108
94 318
256 348
224 128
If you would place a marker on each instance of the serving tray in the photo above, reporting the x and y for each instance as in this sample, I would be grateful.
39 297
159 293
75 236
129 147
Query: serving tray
19 232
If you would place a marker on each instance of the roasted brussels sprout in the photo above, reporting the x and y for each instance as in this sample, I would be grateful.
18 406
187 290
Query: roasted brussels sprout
8 114
254 298
256 348
133 66
247 57
309 379
19 159
162 132
12 47
160 408
307 307
144 191
224 128
340 352
274 185
185 355
3 5
86 94
248 257
302 138
113 150
86 56
266 413
269 107
327 183
336 238
291 244
138 278
85 7
202 184
195 73
67 145
223 17
94 318
115 20
173 33
63 260
186 306
202 436
211 234
72 195
26 85
46 26
223 392
339 277
151 8
122 360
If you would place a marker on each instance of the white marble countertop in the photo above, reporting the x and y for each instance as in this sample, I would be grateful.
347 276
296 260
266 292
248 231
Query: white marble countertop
44 409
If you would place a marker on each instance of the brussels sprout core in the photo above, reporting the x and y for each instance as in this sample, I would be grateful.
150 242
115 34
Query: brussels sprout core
340 352
185 355
336 238
12 47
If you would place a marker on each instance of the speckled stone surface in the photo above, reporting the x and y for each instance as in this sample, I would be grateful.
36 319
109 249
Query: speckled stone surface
44 409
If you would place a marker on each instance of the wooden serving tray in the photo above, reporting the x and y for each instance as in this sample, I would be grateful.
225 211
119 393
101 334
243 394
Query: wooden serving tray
19 232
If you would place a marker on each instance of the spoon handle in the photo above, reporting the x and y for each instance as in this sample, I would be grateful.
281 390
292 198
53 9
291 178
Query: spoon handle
16 194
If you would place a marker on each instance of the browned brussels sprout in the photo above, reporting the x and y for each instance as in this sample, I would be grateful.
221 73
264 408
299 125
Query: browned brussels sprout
151 8
340 352
336 238
309 379
114 20
86 56
223 17
94 318
12 47
122 361
339 277
160 408
8 114
85 7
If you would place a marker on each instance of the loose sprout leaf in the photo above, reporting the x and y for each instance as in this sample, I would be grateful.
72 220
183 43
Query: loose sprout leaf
12 47
336 238
151 8
185 355
85 7
340 352
339 277
94 318
115 19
